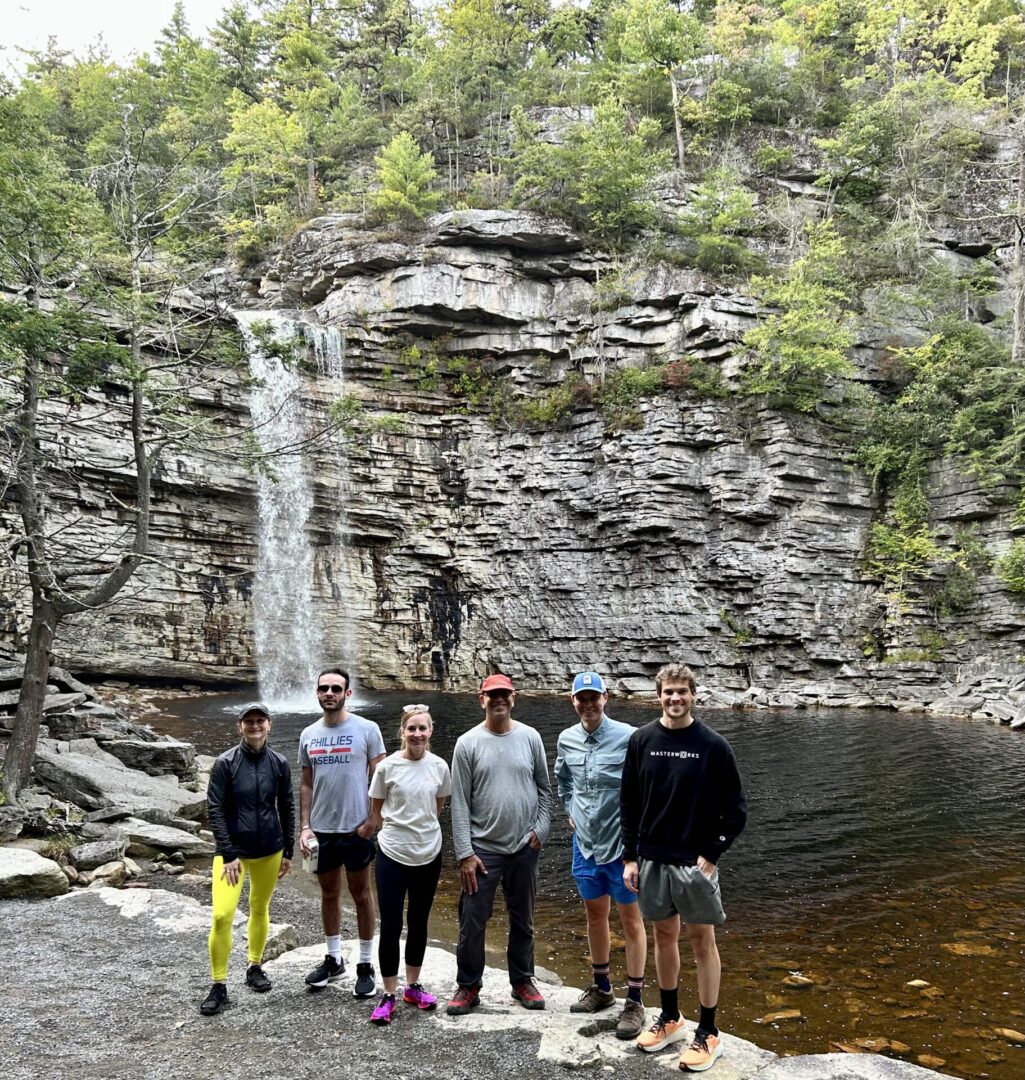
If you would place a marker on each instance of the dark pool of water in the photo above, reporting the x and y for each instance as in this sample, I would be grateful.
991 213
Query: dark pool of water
881 848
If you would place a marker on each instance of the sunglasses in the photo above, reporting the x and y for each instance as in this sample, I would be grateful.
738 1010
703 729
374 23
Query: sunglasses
335 688
497 693
415 709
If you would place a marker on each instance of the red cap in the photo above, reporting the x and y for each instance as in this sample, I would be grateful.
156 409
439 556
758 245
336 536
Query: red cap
497 682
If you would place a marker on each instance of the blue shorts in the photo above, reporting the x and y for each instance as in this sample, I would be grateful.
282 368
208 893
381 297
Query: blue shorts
597 880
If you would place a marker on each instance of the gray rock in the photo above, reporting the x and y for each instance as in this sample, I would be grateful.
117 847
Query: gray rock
12 821
67 682
112 873
144 838
55 703
843 1067
25 874
87 776
90 856
153 758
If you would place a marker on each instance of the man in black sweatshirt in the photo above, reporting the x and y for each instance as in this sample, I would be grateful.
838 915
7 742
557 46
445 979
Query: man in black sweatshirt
682 805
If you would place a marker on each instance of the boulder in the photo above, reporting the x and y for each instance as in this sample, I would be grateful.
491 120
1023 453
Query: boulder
153 758
56 703
12 821
24 874
90 856
83 774
111 873
145 838
68 683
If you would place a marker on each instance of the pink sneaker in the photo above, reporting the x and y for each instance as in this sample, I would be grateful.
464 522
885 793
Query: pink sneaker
383 1013
415 994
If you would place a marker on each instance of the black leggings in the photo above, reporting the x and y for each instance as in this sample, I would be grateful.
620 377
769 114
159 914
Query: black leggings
394 880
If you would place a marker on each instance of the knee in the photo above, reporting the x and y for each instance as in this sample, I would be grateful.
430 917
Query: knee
222 924
703 944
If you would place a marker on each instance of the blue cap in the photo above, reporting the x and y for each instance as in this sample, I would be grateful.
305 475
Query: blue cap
589 680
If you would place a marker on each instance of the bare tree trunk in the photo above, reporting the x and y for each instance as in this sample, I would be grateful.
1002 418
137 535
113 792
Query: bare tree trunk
21 750
675 90
1018 263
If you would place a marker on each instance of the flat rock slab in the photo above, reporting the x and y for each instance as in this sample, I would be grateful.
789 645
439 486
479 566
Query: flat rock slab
83 774
24 874
155 758
90 856
844 1067
147 838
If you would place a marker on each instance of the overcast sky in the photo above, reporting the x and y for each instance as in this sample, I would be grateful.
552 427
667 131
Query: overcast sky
126 26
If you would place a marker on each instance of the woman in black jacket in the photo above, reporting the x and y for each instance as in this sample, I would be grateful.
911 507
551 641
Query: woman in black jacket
252 814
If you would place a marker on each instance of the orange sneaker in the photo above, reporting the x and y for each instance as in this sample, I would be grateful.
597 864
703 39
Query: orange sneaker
661 1034
702 1053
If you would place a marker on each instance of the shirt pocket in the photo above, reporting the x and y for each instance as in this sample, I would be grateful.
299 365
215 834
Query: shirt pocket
608 770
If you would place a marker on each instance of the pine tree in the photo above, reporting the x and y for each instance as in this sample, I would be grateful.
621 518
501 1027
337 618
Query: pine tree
405 177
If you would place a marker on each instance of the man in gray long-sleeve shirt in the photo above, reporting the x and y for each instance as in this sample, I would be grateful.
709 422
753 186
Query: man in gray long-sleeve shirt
501 813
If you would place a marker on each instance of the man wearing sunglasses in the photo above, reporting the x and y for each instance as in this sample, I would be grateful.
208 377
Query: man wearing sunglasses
501 812
338 755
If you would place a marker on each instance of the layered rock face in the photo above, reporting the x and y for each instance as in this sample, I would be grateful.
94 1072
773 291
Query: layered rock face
712 532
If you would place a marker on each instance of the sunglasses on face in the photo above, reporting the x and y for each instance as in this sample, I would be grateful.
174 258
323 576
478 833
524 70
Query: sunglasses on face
333 689
498 693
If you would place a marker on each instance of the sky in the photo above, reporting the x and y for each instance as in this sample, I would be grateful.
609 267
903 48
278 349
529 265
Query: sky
127 26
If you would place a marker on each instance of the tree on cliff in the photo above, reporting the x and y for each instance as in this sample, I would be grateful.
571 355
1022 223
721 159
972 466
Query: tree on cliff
112 247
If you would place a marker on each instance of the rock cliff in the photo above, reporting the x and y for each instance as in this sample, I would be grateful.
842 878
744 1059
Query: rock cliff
703 529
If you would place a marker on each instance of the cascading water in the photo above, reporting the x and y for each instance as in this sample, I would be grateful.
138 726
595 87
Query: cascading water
287 634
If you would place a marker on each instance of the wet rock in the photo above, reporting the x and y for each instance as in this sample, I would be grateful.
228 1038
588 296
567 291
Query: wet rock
781 1016
1011 1035
25 874
917 983
930 1061
90 856
969 948
798 982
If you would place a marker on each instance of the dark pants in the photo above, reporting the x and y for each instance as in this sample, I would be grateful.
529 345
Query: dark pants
394 881
517 874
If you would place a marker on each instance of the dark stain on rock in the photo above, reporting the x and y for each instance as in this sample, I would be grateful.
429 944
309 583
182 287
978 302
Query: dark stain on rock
438 613
212 590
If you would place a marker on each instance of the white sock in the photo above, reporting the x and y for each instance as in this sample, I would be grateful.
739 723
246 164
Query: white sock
366 951
334 946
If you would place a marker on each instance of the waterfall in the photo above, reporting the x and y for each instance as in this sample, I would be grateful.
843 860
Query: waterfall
287 632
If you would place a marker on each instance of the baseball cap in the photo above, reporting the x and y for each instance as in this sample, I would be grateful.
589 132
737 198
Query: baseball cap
253 706
497 682
589 680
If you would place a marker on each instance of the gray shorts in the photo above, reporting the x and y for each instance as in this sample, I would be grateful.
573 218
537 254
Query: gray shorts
665 891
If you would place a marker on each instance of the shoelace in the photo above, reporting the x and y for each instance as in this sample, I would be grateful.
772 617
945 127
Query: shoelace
699 1044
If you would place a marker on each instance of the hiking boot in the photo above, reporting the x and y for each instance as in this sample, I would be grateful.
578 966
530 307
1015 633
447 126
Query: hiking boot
528 995
257 980
364 981
463 1000
631 1020
382 1014
215 1000
661 1034
593 1000
415 994
328 972
702 1052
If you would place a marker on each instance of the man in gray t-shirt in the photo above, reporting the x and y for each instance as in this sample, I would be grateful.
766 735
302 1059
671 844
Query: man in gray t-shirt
501 813
338 755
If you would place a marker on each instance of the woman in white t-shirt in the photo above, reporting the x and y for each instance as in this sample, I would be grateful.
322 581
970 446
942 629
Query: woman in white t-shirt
407 795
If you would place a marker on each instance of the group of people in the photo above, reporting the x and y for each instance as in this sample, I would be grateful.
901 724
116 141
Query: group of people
651 809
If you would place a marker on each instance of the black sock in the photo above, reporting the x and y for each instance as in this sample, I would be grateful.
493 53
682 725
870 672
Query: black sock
670 1003
706 1024
600 974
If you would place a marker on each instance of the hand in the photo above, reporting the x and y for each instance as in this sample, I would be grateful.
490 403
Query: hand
707 868
534 842
232 871
572 824
304 839
366 830
286 865
468 869
631 876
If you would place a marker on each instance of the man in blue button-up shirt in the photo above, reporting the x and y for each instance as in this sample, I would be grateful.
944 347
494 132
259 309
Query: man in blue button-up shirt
588 770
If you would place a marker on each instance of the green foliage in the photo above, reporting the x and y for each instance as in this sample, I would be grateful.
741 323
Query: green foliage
801 350
770 159
720 213
424 365
742 633
349 415
1010 567
405 176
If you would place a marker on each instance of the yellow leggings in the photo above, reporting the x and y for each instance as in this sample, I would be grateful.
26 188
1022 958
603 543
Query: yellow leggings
263 877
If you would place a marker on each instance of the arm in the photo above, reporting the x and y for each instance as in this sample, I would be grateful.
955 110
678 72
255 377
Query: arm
375 814
372 822
286 813
306 834
462 787
563 778
732 809
630 802
217 793
543 822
